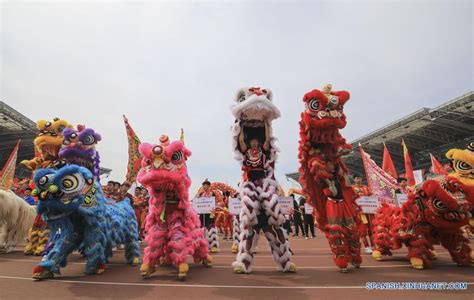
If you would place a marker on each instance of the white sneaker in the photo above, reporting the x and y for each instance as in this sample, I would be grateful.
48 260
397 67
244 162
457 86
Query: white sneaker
368 250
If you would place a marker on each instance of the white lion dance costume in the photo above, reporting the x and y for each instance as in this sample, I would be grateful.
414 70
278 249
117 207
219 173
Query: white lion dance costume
255 149
235 234
16 218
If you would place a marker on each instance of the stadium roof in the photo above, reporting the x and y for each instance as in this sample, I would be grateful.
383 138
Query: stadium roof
428 130
15 126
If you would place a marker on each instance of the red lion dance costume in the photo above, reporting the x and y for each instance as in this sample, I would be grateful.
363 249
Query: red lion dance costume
172 226
324 176
255 149
434 214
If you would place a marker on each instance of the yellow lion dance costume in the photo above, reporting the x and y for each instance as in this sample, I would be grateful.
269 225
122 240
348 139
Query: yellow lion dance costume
47 143
462 161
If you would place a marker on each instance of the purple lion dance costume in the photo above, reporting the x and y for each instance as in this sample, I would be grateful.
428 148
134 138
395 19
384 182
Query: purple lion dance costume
79 148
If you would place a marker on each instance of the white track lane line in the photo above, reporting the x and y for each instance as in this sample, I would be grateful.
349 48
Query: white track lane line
199 285
254 267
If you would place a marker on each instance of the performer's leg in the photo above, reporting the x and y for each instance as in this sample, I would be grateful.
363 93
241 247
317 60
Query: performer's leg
199 242
213 237
57 256
306 226
236 234
3 236
94 248
132 245
420 250
156 239
458 247
339 245
276 236
278 242
301 225
248 220
353 238
180 242
311 225
370 229
297 222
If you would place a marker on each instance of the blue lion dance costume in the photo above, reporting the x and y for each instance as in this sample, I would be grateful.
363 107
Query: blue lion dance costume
72 204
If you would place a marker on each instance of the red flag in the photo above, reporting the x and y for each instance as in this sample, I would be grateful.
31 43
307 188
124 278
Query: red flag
8 172
437 166
387 164
134 157
381 183
408 166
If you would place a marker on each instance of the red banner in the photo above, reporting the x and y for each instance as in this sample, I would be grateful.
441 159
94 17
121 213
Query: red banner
387 164
408 166
134 157
8 172
437 167
382 184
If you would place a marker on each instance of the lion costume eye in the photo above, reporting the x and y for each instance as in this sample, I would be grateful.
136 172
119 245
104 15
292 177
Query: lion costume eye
43 180
439 205
89 140
70 183
461 165
313 104
177 157
157 150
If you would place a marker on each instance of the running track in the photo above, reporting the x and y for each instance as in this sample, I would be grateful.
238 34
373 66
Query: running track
317 278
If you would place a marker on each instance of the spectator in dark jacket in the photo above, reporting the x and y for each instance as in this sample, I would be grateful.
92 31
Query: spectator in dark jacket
297 217
307 218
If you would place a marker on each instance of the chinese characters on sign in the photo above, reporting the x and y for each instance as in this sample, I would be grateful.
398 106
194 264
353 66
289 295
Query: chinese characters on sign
204 205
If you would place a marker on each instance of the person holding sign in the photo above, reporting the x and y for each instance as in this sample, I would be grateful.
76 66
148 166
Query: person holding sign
403 186
366 224
255 149
308 219
227 217
208 221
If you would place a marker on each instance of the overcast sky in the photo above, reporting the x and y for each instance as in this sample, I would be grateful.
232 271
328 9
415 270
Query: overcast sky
171 65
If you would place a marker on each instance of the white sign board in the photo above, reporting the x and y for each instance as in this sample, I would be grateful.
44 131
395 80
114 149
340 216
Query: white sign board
235 206
308 209
401 199
286 205
418 174
369 204
204 205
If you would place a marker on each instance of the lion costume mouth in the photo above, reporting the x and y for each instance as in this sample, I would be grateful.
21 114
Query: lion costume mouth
254 129
51 150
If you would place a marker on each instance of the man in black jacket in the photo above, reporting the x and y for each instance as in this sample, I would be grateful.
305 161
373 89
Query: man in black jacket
297 217
307 218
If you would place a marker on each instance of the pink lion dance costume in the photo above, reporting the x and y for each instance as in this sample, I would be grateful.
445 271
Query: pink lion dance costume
324 176
172 226
255 149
